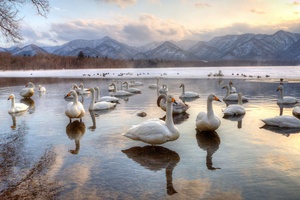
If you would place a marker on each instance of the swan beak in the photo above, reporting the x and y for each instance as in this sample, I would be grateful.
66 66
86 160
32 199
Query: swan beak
223 87
278 89
217 99
174 101
10 97
68 95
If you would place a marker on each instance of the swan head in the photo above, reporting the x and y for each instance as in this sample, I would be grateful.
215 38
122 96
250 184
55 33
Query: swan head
280 87
182 85
230 83
225 87
213 97
171 99
12 96
92 90
71 93
30 84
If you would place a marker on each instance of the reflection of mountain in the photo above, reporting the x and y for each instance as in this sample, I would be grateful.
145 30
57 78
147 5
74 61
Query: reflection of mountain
209 142
155 158
75 130
235 118
283 131
29 102
178 118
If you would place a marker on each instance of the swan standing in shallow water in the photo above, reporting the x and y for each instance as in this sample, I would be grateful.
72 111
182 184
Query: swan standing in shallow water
208 121
105 98
103 105
177 107
283 121
16 107
286 99
156 131
42 89
232 97
74 109
235 109
188 94
28 91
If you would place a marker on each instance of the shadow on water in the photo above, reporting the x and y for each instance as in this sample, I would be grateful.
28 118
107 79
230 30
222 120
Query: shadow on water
235 118
75 130
209 142
156 158
284 131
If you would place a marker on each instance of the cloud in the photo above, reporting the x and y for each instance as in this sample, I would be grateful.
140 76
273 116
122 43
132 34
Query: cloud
257 12
120 3
201 5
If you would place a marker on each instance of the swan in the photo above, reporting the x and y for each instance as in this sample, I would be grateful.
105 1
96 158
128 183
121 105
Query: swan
156 131
131 89
232 89
16 107
42 89
177 107
188 94
119 92
208 121
83 90
296 111
75 108
28 91
232 97
164 89
154 85
283 121
235 109
105 98
135 83
103 105
285 99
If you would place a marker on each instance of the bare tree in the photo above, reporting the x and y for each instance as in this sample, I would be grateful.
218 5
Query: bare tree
10 21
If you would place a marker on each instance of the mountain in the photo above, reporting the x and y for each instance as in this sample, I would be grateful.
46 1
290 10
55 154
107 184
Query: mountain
280 46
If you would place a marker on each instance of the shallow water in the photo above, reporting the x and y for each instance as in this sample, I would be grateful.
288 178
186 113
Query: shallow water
40 158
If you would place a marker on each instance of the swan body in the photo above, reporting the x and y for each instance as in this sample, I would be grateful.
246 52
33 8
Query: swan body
119 92
135 83
105 98
156 131
131 89
16 107
178 107
232 89
283 121
233 96
103 105
83 90
188 94
208 121
75 108
296 111
285 99
154 85
235 109
28 91
42 89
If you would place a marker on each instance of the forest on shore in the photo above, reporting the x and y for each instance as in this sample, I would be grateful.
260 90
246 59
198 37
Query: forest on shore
52 62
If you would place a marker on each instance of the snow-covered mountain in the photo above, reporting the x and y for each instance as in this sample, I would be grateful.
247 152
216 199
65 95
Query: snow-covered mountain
281 45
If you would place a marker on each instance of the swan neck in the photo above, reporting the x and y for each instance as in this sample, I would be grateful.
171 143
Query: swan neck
281 94
210 111
183 90
93 100
12 102
169 117
227 91
240 102
98 94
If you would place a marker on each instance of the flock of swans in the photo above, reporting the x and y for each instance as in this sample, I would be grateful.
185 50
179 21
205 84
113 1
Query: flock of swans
157 131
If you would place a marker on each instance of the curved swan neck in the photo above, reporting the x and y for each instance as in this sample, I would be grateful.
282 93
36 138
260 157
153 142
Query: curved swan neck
75 101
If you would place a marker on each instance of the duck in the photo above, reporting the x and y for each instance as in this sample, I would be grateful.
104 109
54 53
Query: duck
164 89
156 131
116 92
285 99
232 89
103 105
154 85
188 94
28 91
233 96
83 90
16 107
75 108
131 89
282 121
105 98
235 109
42 89
208 121
178 107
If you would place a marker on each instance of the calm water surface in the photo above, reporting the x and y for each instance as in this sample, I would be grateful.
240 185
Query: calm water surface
41 159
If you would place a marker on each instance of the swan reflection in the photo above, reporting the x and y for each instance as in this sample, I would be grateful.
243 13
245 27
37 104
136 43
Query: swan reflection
156 158
14 118
235 118
281 130
75 130
209 142
29 102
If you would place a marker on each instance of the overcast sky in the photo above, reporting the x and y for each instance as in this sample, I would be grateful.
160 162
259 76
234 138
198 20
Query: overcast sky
137 22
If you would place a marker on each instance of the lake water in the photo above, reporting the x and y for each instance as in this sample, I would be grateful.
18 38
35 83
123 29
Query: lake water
40 159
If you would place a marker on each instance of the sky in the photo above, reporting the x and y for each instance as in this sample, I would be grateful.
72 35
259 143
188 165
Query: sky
138 22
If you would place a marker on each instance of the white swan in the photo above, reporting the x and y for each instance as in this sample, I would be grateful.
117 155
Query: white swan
135 83
83 90
232 89
156 131
208 121
232 97
283 121
235 109
285 99
116 92
178 107
105 98
42 89
131 89
164 89
103 105
28 91
74 109
16 107
296 111
154 85
188 94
